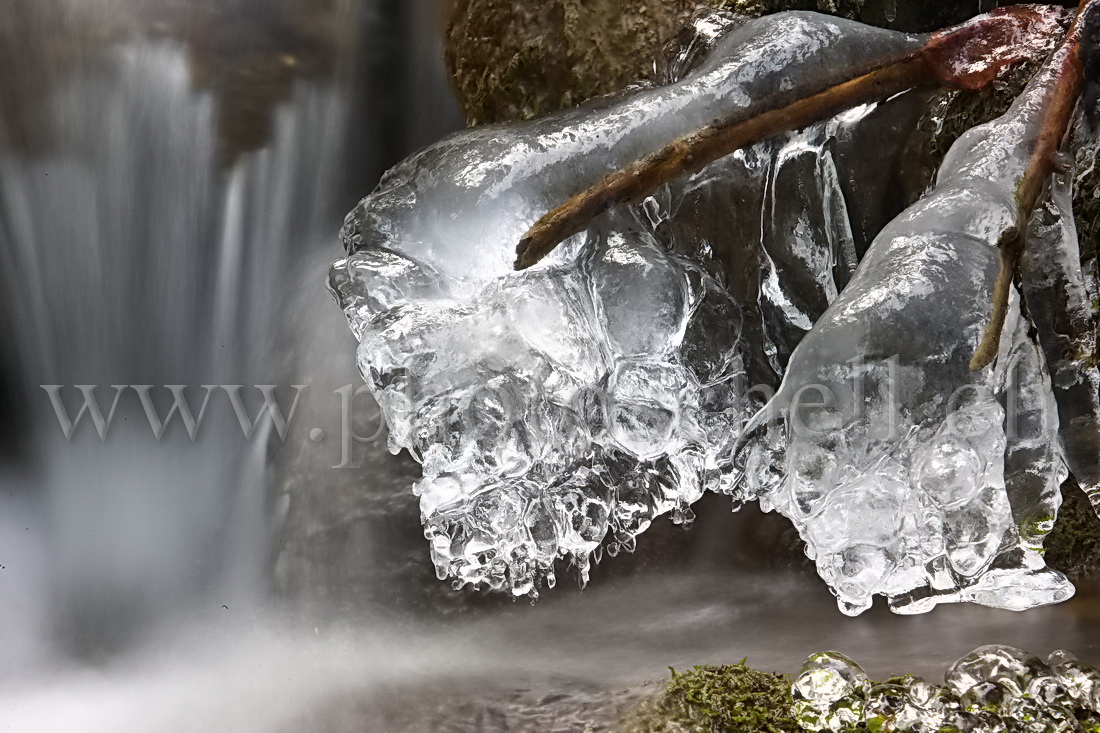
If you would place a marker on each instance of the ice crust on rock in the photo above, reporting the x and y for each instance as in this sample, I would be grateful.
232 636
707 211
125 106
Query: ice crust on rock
558 411
899 465
993 688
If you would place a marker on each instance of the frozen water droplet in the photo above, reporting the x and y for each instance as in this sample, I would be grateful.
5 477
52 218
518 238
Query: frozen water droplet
827 677
1013 669
890 10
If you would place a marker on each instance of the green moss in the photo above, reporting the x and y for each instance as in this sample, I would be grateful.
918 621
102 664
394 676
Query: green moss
719 699
738 699
1037 526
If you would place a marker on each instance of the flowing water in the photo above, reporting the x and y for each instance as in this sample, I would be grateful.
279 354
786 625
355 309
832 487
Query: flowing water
156 230
148 239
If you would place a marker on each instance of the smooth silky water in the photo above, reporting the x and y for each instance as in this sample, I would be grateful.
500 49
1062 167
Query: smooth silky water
154 233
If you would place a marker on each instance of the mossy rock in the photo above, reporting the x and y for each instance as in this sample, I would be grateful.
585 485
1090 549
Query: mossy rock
728 698
518 59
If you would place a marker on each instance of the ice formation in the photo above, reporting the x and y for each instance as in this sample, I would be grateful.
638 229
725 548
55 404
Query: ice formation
993 688
557 411
907 474
546 416
583 398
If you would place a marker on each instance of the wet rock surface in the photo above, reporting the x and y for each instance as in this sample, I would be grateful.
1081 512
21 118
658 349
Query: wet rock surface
518 60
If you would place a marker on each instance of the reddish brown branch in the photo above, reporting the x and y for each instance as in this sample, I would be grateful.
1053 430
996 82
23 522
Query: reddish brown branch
968 56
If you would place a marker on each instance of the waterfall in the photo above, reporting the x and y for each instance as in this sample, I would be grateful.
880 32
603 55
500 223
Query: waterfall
132 253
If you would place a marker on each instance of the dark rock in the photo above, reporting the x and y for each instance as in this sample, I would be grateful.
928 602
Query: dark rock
516 60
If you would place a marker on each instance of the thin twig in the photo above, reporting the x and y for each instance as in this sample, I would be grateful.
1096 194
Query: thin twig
968 56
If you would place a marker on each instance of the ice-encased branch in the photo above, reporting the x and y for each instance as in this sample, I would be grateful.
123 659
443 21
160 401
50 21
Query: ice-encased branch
907 473
968 56
1063 91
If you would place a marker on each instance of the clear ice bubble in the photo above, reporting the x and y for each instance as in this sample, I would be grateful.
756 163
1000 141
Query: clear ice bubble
829 692
1012 668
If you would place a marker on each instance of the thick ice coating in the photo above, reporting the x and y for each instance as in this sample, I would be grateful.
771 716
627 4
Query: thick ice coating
907 474
1060 281
569 405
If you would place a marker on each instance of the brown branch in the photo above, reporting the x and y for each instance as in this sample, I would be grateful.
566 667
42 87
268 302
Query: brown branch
969 56
694 152
1061 103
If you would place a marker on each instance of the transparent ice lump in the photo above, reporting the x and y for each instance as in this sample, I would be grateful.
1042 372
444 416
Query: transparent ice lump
545 416
1060 278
